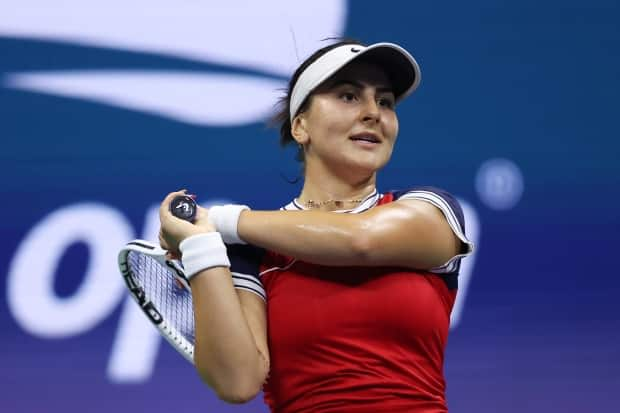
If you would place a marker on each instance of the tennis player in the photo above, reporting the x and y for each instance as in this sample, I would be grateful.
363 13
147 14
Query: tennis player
340 301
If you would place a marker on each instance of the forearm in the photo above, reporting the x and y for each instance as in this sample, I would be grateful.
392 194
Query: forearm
226 355
319 237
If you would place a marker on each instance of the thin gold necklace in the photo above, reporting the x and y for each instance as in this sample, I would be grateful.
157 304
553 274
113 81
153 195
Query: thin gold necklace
339 203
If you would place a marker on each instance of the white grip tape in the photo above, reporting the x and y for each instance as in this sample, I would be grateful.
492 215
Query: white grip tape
201 252
225 219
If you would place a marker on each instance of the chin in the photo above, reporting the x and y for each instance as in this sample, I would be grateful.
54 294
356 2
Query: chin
372 162
365 167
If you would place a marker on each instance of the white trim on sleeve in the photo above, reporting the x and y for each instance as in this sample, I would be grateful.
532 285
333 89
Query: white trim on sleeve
249 283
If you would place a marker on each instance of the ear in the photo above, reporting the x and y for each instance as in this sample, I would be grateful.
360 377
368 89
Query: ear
299 129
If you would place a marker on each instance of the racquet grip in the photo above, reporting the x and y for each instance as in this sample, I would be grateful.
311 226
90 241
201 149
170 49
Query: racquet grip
184 207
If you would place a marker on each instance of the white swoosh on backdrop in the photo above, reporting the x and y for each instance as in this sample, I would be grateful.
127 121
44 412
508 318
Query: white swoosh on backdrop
195 98
266 35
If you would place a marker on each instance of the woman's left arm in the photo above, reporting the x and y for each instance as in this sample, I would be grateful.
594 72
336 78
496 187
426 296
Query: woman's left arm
407 233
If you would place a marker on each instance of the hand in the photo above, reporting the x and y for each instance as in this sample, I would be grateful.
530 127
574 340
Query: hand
173 230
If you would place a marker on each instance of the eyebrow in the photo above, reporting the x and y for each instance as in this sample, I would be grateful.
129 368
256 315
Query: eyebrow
359 85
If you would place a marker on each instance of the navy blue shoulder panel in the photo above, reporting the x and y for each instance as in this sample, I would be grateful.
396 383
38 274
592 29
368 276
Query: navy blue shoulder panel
451 279
245 259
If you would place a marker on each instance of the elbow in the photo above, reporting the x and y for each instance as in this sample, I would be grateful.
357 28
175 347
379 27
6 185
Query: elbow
232 388
363 247
238 393
367 241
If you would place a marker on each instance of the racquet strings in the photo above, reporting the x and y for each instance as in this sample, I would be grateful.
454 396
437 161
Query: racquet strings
171 300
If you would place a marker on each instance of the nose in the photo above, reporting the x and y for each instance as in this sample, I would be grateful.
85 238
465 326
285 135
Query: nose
370 110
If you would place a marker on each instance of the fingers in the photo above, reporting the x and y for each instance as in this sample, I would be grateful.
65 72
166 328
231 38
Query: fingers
164 208
162 241
201 213
173 230
202 220
170 255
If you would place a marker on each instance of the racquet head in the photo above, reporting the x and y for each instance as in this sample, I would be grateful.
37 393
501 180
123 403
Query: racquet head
160 288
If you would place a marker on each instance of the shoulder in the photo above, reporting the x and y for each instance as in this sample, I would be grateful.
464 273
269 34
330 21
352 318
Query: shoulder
452 212
440 198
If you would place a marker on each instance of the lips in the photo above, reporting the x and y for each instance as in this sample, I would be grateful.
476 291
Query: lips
366 137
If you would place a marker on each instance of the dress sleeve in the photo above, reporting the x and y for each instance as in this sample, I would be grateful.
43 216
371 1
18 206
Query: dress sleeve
453 213
245 263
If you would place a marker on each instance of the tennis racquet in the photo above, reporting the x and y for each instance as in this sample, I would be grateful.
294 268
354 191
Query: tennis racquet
160 287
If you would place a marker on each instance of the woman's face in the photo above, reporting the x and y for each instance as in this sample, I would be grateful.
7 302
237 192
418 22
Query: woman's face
350 125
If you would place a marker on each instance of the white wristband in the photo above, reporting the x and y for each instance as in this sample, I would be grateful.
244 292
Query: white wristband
225 219
201 252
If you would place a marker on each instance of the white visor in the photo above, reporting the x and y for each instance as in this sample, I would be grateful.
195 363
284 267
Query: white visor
401 68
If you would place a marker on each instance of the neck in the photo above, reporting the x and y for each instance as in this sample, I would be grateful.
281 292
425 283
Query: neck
326 192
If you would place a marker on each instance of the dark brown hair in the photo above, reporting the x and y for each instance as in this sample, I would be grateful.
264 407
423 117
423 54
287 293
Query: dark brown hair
282 118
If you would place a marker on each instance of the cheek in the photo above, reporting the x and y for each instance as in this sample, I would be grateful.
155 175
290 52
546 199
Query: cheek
327 121
391 127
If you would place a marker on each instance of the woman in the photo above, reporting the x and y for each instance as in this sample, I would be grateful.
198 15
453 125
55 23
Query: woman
332 312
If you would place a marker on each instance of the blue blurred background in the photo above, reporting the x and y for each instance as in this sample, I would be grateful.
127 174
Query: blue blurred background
107 106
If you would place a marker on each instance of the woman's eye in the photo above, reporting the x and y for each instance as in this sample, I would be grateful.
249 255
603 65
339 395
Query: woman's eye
386 102
347 96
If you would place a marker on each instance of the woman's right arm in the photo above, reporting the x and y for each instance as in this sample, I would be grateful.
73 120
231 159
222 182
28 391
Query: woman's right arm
231 353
